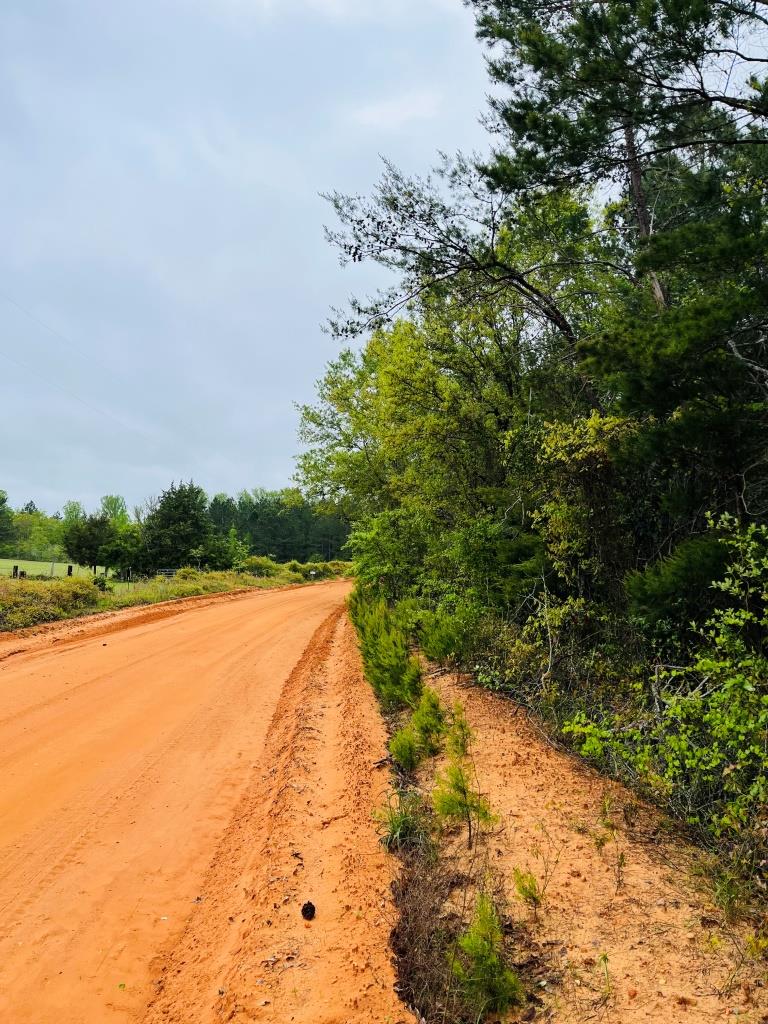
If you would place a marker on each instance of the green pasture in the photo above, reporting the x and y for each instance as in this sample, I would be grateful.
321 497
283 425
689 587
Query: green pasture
42 568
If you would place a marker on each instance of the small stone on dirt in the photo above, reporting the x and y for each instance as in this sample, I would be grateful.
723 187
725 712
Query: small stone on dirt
308 911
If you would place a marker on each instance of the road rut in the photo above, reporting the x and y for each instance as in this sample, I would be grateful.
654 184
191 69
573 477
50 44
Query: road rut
126 754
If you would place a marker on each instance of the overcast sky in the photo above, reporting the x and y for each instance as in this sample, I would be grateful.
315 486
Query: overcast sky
163 272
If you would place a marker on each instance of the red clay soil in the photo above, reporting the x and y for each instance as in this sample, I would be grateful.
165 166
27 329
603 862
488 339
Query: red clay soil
302 835
180 780
626 933
153 766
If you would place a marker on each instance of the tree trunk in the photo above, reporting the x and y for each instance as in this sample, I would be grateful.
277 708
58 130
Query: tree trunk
641 207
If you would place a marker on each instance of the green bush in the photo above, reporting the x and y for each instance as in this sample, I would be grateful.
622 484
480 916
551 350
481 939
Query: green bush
394 674
31 602
406 750
428 722
695 737
448 633
291 577
260 565
670 594
187 572
488 984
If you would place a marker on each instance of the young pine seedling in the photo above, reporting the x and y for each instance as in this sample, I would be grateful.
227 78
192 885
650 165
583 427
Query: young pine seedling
478 963
528 889
456 800
460 735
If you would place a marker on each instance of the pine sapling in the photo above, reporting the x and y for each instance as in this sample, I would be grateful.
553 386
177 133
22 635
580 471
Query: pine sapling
455 799
460 735
478 963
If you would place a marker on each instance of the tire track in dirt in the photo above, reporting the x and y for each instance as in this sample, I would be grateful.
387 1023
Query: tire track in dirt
623 928
303 832
125 756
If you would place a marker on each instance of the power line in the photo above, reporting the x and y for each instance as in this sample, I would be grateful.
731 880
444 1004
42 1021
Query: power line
53 331
68 393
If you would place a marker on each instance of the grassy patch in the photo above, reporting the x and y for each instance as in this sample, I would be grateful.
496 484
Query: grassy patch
25 603
57 570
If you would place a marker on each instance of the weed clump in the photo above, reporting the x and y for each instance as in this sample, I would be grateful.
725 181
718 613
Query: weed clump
404 824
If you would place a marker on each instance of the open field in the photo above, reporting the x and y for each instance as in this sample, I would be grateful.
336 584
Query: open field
43 568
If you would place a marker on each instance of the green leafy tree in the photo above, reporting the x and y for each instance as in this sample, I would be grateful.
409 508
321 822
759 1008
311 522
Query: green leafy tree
177 525
72 511
123 550
86 540
113 506
6 522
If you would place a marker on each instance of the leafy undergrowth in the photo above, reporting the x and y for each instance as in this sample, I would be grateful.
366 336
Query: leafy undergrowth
25 603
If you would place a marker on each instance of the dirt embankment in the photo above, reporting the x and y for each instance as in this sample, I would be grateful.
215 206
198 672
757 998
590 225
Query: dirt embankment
625 934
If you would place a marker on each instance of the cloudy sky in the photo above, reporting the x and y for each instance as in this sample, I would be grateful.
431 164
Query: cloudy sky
163 273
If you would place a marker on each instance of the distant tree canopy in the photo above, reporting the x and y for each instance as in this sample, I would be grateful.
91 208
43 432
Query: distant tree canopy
181 527
176 525
6 519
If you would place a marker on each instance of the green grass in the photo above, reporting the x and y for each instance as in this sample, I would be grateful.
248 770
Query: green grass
42 568
25 603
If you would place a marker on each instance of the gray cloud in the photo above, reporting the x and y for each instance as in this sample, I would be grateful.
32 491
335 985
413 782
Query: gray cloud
161 164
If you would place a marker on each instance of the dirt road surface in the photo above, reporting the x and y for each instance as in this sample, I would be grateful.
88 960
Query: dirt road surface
154 765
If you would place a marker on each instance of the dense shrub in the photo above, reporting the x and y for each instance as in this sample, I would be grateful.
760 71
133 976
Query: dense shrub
696 736
260 565
391 669
448 633
670 594
428 722
30 602
406 750
187 573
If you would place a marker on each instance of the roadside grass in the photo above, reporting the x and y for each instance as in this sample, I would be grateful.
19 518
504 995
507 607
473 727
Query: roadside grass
453 939
33 602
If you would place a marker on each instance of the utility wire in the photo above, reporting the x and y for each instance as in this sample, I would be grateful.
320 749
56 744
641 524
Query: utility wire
67 392
53 331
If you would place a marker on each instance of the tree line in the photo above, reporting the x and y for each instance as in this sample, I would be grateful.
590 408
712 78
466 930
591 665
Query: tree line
183 526
553 438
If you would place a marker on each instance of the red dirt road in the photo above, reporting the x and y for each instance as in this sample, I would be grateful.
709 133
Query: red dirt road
133 754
